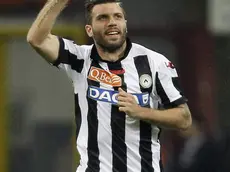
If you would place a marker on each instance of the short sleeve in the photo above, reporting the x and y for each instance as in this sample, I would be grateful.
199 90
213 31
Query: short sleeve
167 85
69 56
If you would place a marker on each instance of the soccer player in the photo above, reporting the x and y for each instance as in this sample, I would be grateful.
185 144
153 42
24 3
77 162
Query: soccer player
118 87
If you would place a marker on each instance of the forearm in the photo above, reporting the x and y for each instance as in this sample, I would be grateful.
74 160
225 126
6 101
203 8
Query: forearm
44 22
175 118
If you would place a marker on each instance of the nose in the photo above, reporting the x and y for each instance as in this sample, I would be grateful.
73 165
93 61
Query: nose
112 22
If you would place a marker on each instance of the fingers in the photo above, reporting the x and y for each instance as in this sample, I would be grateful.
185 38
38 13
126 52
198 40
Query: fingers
123 109
124 104
122 92
121 99
127 103
125 97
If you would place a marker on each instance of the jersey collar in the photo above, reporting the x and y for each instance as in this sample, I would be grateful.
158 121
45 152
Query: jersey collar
95 56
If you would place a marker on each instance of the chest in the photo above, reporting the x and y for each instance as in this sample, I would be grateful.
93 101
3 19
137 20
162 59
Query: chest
132 77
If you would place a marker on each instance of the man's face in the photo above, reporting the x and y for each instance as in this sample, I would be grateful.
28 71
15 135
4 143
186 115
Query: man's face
108 27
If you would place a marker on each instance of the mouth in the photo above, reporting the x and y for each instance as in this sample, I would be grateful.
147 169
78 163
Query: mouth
112 32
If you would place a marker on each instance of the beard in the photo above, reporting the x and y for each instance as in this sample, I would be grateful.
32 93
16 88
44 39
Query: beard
110 46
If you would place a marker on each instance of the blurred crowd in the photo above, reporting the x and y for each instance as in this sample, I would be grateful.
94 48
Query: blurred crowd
199 151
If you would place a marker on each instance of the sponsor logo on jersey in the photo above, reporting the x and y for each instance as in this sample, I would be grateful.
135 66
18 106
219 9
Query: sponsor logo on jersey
103 76
146 81
110 96
170 65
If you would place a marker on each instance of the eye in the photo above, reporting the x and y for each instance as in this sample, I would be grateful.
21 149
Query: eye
119 16
102 17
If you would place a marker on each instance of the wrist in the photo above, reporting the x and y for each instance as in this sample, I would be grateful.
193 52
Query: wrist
145 113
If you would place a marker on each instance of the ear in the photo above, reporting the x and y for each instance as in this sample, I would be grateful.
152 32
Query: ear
89 31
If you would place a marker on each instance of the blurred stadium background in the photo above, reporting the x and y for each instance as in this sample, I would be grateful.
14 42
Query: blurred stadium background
36 101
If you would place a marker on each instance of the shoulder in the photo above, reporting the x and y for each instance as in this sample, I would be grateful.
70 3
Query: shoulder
71 43
155 58
82 51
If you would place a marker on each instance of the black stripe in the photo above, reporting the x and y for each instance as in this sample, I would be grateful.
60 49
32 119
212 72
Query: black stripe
119 148
93 150
165 100
66 57
78 117
177 85
143 67
161 92
145 147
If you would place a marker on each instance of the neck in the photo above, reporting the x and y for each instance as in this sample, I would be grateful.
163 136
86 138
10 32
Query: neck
111 56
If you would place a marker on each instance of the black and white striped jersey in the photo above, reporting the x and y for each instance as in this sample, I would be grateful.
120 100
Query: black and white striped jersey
108 140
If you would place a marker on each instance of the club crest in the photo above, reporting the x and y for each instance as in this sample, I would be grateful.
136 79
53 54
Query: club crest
146 81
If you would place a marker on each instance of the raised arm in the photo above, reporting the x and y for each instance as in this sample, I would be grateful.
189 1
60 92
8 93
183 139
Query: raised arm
39 35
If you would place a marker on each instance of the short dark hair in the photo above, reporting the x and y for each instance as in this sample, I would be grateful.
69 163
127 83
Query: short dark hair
89 4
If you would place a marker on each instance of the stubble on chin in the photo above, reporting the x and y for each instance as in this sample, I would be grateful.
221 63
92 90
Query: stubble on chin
110 45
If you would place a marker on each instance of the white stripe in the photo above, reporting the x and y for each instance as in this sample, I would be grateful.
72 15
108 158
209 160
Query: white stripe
72 48
154 101
132 140
82 140
155 149
104 130
132 128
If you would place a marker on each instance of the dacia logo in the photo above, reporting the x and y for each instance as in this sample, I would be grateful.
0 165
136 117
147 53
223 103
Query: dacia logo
110 96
